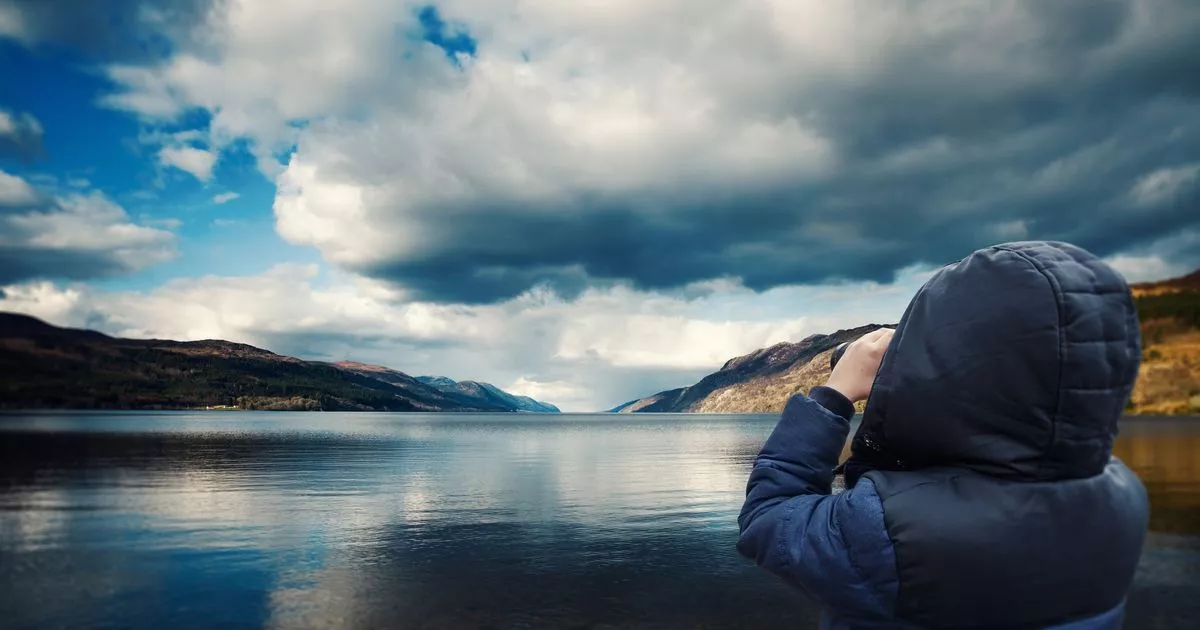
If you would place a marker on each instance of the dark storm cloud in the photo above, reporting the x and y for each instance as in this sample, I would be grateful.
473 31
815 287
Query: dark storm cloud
484 259
113 30
18 264
943 148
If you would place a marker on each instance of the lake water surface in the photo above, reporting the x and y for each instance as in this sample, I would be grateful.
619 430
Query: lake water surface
327 520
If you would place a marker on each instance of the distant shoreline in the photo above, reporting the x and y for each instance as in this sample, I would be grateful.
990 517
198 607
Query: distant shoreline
215 409
1137 418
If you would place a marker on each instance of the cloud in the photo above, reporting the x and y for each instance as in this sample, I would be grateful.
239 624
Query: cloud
1144 268
15 191
543 390
244 73
1166 184
667 143
75 236
668 341
225 197
279 306
20 135
1170 257
129 30
198 162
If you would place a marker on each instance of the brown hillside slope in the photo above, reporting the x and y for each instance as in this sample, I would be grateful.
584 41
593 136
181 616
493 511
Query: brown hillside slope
1169 379
1182 284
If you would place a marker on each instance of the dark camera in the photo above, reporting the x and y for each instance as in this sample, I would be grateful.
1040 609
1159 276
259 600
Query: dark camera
837 354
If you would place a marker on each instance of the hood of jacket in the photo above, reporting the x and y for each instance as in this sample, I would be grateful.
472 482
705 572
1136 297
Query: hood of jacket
1015 362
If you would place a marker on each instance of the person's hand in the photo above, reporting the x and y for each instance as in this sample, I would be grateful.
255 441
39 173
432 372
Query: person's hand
855 372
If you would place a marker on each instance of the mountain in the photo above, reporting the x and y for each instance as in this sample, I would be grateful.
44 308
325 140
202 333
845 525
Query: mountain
486 393
413 388
762 381
1182 284
44 366
759 382
640 404
440 382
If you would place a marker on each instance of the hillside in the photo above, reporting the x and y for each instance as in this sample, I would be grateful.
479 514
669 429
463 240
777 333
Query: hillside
1169 379
486 393
761 382
472 393
1182 284
47 367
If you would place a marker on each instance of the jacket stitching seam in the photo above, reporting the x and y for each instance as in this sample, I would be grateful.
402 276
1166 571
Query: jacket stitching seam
921 484
888 536
1062 350
849 549
781 543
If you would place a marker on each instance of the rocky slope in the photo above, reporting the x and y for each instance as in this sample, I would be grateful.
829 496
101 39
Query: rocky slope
44 366
761 382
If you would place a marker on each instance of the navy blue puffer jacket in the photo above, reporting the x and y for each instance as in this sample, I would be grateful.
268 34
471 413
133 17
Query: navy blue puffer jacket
981 491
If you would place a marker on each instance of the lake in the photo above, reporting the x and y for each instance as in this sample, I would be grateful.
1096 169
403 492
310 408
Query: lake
363 520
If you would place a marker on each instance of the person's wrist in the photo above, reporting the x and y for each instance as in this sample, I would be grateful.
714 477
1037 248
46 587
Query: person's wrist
832 400
845 389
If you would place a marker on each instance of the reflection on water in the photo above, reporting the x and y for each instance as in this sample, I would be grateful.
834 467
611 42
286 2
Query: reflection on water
376 520
1165 453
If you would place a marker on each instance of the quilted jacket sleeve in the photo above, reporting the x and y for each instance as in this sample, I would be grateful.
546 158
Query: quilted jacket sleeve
833 547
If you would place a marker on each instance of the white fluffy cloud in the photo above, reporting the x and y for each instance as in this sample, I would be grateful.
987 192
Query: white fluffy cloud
198 162
15 191
225 197
1145 268
74 236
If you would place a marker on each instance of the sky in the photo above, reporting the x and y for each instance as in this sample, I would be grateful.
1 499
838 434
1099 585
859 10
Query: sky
585 202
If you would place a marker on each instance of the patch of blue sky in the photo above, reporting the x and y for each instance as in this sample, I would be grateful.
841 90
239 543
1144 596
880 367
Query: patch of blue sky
234 238
91 147
451 37
81 141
